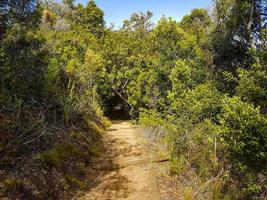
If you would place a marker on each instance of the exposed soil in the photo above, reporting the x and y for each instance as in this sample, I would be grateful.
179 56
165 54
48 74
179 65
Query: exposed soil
124 170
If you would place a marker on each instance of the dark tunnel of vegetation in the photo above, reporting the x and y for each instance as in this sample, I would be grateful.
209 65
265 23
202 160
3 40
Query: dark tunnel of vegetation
115 108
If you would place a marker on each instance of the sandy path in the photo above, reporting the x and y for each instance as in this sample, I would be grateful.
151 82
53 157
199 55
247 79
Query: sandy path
123 171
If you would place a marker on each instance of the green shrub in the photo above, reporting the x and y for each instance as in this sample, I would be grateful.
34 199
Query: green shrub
197 145
244 131
61 154
150 118
202 102
178 165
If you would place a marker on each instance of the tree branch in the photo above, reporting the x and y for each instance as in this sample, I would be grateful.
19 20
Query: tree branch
122 97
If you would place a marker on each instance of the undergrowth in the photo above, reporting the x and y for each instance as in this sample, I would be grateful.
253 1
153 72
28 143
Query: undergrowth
200 162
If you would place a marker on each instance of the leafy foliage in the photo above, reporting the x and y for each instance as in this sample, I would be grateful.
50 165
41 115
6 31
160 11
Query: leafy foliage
199 84
244 130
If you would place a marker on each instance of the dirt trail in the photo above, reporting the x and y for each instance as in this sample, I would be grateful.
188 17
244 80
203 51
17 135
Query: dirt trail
123 172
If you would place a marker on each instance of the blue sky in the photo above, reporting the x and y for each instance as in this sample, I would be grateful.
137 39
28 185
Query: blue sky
118 10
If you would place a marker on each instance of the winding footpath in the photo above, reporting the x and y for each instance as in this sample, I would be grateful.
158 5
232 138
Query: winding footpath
123 171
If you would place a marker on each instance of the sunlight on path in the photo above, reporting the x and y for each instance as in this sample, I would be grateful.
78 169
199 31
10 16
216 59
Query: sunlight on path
114 179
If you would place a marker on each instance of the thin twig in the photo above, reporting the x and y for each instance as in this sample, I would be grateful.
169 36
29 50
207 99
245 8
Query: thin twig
209 181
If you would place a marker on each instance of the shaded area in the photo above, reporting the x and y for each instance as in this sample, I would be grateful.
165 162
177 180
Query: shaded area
55 172
115 108
113 184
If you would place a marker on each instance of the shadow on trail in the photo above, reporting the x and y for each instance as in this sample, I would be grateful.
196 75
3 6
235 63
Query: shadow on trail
105 175
112 184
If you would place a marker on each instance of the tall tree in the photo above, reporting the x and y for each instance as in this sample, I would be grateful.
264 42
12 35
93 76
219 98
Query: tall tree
12 11
91 18
199 23
140 23
238 27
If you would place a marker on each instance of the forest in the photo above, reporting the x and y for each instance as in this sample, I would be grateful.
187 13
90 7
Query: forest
200 85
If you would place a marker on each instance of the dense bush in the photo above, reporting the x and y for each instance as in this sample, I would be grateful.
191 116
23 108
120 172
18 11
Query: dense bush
198 85
214 115
244 131
50 115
